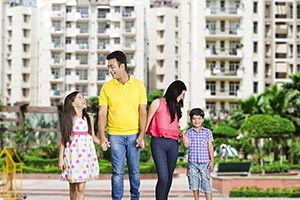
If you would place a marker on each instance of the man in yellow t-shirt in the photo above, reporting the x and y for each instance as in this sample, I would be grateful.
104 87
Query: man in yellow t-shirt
122 106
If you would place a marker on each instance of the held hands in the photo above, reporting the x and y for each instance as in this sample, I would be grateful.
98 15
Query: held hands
105 144
140 143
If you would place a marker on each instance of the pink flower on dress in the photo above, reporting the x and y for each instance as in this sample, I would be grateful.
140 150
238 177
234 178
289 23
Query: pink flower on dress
83 150
80 155
84 171
77 161
73 166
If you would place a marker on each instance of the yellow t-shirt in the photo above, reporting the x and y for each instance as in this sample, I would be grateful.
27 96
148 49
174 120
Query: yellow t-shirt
123 102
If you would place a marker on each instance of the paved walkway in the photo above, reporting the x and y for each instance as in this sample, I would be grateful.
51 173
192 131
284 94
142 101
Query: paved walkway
53 189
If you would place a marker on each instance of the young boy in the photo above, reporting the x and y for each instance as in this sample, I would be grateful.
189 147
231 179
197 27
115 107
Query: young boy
198 140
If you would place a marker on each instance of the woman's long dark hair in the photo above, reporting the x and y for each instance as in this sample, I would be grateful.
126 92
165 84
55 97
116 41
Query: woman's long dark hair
67 118
173 91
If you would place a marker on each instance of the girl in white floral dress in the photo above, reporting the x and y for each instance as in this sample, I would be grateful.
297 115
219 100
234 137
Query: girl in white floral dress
77 157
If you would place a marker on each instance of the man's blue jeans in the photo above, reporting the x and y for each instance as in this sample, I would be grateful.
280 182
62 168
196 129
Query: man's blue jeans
121 147
164 153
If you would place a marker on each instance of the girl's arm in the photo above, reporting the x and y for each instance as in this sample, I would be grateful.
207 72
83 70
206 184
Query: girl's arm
61 162
151 111
95 138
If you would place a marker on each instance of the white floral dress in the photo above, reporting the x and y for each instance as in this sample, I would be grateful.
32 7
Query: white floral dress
80 155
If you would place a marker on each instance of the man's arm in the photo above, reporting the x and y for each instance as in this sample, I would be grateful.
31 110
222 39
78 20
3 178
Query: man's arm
143 120
102 118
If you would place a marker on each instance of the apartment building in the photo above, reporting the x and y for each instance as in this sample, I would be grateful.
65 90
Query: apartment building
77 37
163 28
236 48
18 51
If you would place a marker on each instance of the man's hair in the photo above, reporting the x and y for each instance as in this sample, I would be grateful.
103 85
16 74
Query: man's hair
196 111
119 56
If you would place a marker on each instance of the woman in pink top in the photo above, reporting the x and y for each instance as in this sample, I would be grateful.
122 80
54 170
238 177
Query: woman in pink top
162 124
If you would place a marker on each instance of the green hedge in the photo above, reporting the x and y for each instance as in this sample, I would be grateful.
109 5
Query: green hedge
270 192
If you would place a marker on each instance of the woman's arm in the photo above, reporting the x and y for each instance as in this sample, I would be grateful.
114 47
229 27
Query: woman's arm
151 111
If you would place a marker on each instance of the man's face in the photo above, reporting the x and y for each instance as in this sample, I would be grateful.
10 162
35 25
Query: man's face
114 69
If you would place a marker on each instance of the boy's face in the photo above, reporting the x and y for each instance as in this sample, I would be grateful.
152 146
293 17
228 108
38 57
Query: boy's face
197 121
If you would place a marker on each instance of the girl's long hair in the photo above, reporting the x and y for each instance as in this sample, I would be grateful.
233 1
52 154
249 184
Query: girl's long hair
173 91
67 118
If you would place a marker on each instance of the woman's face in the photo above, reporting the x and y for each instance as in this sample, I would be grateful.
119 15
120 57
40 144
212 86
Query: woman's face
181 96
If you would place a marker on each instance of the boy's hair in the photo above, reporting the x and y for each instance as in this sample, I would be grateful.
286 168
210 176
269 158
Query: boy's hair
119 56
196 111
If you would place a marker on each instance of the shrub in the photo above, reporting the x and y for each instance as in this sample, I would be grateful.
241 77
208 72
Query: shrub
270 192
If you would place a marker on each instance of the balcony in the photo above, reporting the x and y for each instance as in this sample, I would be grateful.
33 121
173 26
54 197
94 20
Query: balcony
56 61
225 12
216 73
225 33
236 53
223 95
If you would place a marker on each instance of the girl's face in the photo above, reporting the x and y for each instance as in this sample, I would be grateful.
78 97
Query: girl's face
79 102
181 96
197 121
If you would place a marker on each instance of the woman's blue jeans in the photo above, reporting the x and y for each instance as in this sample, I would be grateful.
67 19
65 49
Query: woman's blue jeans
164 153
121 147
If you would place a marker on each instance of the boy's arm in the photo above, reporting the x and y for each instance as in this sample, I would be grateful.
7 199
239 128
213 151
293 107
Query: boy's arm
211 155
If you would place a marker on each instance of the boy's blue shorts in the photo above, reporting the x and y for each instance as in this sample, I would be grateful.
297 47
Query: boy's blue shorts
199 177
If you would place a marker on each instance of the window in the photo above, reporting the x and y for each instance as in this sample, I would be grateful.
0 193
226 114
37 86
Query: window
211 86
222 86
117 40
68 24
160 33
68 72
84 12
68 40
222 26
55 73
255 47
298 11
117 25
161 19
160 48
222 106
233 66
9 20
255 87
233 88
56 25
82 74
255 67
26 48
26 33
68 56
254 27
101 75
83 59
222 45
117 9
68 9
26 18
254 7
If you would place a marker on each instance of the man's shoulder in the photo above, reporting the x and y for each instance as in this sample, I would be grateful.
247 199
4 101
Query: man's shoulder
136 81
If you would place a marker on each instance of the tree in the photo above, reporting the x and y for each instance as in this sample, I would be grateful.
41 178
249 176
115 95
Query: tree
266 126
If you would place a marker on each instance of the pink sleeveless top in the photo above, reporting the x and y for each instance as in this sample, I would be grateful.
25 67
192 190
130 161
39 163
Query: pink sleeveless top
161 125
